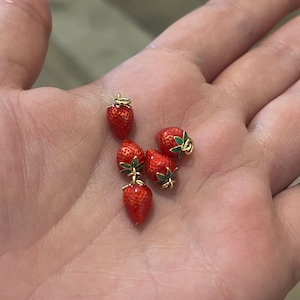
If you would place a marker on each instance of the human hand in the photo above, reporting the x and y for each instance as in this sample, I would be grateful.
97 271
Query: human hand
229 230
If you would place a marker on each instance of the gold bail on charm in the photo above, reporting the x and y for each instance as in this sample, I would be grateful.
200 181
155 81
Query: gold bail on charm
188 147
135 175
122 101
168 179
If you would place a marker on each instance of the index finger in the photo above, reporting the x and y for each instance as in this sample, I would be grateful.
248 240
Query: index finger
222 30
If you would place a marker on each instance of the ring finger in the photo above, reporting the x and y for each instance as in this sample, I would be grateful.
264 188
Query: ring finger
275 129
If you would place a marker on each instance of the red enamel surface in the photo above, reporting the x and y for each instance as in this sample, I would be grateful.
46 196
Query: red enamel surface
127 151
120 119
165 140
137 201
157 162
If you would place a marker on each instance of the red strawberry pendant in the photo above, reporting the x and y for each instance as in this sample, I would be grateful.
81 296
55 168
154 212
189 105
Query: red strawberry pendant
137 200
173 141
130 159
160 168
120 117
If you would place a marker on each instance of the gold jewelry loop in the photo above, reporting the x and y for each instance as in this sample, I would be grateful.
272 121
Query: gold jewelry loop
188 147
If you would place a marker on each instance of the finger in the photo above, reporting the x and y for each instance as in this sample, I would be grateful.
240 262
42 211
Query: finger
216 34
276 132
24 32
265 72
287 205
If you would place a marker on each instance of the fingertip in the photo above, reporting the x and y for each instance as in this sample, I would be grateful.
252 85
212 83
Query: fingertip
25 27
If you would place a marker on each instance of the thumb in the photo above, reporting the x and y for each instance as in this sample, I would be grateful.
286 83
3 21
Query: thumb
288 207
25 27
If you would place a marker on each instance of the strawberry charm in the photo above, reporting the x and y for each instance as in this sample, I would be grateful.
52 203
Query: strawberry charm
160 168
137 199
130 159
120 116
173 141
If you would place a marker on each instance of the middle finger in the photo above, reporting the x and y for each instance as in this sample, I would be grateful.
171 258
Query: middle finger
265 72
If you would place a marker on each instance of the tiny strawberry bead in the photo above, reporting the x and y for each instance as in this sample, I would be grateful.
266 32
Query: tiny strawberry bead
120 117
130 156
137 199
173 141
160 168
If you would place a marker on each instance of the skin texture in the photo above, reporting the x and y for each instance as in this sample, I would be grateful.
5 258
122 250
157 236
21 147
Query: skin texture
229 229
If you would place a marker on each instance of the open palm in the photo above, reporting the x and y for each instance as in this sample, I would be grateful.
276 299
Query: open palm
228 230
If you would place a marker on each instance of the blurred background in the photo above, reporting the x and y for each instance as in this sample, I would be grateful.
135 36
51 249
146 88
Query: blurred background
89 38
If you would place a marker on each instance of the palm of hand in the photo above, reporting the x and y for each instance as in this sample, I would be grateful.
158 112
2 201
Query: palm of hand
62 219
